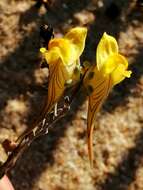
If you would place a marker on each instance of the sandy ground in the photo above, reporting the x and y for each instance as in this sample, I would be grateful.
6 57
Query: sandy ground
59 161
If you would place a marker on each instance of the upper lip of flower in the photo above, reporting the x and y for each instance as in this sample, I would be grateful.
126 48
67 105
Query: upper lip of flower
69 48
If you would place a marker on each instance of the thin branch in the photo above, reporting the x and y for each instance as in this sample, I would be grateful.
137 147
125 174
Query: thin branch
39 130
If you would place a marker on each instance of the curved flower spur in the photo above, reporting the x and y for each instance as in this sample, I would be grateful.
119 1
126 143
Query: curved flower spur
110 69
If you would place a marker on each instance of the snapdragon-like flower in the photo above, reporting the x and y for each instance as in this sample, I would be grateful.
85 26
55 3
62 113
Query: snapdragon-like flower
110 69
62 58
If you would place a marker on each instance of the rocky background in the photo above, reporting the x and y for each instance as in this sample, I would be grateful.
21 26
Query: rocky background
59 160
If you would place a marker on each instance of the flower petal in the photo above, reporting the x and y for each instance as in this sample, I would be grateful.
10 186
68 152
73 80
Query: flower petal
63 48
69 48
77 37
113 62
119 72
106 47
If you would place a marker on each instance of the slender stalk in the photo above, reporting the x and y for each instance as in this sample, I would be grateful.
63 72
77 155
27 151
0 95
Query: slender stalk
39 130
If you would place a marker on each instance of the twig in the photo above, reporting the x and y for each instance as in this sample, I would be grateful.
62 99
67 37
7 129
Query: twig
30 137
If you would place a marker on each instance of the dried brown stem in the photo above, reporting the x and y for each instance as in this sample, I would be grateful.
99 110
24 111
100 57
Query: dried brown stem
26 140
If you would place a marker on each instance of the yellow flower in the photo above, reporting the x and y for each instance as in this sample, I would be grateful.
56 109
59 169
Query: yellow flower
62 57
110 70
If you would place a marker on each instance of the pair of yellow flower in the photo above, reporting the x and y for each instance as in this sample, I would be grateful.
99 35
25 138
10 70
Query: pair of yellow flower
109 69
